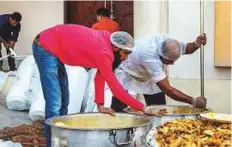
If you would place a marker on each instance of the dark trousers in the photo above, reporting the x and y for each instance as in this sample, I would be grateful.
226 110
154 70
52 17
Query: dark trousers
11 61
155 99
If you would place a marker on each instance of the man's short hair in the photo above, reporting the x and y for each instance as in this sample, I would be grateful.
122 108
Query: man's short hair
103 12
170 53
16 16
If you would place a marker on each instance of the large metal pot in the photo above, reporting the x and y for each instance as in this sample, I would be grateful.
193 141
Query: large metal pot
173 112
99 130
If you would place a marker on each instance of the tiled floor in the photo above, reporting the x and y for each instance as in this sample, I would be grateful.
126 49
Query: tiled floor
9 118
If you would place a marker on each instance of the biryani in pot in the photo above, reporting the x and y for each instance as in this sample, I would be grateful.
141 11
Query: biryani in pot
193 133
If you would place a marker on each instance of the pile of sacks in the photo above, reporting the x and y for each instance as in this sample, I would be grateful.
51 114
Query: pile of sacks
26 92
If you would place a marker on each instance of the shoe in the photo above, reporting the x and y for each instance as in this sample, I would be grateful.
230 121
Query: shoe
13 69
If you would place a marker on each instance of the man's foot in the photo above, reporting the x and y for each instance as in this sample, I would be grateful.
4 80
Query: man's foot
13 69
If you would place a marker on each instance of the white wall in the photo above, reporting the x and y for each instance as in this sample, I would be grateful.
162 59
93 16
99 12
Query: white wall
184 24
150 17
181 19
217 92
37 16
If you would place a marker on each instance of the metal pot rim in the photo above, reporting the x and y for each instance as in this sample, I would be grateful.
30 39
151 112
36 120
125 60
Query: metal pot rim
180 106
127 110
49 122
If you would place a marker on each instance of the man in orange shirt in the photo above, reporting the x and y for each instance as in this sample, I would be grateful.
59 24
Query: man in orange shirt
104 21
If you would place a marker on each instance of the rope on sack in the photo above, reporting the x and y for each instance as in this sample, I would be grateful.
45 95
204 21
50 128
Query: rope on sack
13 55
202 47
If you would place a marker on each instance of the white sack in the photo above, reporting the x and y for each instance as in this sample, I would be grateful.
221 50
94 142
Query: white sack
88 104
9 144
17 98
37 110
26 63
78 78
9 83
3 79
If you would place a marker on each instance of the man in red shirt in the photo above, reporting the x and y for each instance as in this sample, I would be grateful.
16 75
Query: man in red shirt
77 45
104 21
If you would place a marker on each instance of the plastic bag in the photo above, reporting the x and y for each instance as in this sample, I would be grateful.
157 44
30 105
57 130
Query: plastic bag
24 65
37 109
9 144
18 97
78 78
3 79
88 101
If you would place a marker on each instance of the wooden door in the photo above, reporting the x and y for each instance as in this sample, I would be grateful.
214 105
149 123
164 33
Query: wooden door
84 12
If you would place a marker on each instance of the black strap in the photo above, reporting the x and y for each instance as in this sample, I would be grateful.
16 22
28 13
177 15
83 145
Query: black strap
37 37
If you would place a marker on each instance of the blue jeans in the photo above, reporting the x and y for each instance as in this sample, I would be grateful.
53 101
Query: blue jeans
54 81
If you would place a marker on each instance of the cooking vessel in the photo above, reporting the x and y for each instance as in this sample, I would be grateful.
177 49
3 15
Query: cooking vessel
173 112
99 130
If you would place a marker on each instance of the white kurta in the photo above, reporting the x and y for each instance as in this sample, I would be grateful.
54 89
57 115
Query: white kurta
143 68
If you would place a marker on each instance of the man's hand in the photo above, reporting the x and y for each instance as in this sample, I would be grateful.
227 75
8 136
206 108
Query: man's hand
200 102
12 53
133 111
173 93
6 45
12 44
102 109
147 111
201 40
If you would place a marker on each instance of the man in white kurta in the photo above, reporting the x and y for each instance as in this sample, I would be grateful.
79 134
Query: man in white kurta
145 70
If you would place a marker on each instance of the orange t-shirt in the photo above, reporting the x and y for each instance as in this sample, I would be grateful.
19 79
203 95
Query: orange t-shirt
106 24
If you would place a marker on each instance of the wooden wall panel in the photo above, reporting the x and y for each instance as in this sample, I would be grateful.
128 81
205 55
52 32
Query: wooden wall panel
222 34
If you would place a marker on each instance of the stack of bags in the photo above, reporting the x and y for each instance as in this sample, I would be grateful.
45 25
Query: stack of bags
19 94
26 92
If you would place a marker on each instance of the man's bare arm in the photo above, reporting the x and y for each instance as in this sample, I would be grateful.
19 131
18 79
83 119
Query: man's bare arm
191 47
12 44
173 92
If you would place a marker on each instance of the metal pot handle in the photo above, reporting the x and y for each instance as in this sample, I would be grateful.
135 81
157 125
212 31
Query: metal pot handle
114 139
143 141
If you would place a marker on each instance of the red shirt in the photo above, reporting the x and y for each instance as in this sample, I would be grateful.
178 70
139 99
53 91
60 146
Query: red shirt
82 46
106 24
